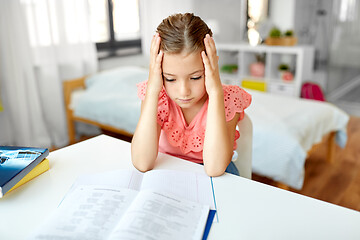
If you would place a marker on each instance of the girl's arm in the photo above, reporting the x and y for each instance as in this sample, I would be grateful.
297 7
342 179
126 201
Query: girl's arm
219 134
145 142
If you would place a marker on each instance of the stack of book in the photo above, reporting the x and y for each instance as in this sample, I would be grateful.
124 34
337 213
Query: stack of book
19 165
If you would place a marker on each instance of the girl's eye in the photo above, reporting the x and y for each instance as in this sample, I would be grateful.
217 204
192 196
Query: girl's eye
196 78
169 80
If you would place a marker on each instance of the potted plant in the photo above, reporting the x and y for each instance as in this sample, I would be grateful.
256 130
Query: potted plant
289 33
285 73
257 69
283 67
229 68
274 37
277 38
289 39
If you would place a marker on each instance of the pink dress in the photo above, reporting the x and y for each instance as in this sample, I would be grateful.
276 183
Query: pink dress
184 140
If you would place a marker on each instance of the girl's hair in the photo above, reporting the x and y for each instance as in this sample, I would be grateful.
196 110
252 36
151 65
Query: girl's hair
181 32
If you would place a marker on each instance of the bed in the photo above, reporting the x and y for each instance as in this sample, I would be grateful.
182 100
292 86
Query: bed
285 129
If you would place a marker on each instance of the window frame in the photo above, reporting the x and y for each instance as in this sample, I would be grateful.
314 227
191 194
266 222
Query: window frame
112 46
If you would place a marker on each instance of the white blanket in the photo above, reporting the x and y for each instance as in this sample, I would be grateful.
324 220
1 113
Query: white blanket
111 98
284 128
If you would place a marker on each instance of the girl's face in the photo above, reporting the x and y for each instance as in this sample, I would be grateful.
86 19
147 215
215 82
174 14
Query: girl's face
184 78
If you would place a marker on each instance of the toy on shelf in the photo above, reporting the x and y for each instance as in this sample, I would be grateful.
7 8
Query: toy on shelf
257 69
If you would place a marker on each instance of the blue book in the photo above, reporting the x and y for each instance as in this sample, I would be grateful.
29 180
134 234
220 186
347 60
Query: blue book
16 163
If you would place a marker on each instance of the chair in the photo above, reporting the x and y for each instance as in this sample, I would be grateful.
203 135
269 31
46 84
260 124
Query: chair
244 147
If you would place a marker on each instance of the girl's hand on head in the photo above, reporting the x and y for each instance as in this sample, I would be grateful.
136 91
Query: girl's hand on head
155 82
210 60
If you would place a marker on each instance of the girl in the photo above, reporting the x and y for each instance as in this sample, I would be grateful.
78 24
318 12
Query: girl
185 110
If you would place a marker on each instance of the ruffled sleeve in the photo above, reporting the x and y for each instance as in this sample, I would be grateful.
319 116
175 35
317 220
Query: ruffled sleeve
163 103
141 90
236 100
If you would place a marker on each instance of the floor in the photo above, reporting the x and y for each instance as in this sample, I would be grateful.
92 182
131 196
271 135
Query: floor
338 182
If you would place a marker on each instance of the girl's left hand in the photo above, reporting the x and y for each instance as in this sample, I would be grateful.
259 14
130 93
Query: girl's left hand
210 60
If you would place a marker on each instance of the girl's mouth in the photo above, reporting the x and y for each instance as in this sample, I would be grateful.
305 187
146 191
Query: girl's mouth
187 100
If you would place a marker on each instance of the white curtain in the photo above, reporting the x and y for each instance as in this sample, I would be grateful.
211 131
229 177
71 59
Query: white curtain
345 44
344 50
43 42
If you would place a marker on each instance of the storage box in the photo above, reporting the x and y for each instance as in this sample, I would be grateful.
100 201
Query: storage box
283 89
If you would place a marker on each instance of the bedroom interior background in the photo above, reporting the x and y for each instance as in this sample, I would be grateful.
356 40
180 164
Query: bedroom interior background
52 113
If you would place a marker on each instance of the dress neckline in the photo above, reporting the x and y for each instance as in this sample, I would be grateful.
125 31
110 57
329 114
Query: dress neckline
192 122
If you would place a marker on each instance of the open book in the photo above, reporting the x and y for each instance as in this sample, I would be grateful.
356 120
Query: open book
127 204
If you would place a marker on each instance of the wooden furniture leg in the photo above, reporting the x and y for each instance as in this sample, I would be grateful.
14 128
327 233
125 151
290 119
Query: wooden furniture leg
69 86
331 147
282 186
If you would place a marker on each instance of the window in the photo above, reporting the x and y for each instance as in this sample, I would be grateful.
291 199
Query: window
115 26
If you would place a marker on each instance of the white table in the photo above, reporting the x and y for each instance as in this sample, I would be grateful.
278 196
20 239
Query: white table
246 209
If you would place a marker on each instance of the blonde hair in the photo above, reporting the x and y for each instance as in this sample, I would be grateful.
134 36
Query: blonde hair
183 32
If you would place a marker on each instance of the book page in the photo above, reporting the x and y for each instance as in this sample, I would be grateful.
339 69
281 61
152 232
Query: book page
88 212
155 215
121 178
188 185
192 186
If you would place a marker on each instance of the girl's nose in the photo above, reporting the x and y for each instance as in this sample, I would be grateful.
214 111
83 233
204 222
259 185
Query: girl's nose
185 88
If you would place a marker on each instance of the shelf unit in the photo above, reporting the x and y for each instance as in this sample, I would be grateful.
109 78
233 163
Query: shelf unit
299 58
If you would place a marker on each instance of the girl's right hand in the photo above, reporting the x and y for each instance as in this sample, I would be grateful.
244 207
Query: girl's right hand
155 82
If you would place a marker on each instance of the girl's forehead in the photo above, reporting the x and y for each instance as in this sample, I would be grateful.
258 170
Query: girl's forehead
182 63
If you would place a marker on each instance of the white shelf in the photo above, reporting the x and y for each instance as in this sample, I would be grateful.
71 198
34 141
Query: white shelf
300 59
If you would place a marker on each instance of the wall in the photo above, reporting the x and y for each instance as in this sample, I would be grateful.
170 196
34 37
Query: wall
226 14
282 13
153 12
133 60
